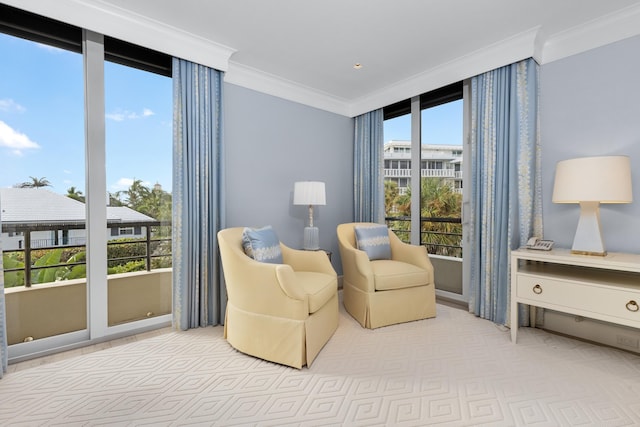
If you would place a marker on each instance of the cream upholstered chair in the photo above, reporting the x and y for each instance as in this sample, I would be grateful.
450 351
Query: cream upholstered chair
284 313
386 291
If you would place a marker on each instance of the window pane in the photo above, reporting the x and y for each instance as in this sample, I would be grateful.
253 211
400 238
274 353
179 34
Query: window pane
139 171
397 178
42 172
441 183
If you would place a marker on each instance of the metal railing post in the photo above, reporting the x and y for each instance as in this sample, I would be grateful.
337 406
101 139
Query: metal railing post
27 258
148 244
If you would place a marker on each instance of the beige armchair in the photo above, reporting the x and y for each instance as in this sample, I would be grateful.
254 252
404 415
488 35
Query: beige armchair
387 291
284 313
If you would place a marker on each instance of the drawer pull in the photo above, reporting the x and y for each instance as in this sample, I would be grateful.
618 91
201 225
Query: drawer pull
632 306
537 289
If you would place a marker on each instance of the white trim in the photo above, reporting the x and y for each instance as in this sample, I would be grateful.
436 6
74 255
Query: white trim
466 195
132 327
416 164
606 29
252 78
497 55
113 21
73 340
451 296
96 182
49 345
108 19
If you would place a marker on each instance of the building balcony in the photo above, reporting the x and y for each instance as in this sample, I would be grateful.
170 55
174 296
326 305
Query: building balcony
424 173
56 308
46 294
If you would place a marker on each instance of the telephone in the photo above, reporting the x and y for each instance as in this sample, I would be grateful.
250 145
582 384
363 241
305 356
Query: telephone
542 245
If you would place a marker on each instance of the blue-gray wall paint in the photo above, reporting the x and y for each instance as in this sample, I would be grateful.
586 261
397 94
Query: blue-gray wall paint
271 143
589 106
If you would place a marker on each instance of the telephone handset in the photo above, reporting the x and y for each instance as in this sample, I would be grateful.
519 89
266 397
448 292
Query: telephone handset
541 245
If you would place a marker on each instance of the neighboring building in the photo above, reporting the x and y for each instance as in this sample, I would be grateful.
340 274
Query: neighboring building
57 220
437 161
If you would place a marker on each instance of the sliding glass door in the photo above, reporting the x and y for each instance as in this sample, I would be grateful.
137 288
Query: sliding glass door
42 176
423 170
85 180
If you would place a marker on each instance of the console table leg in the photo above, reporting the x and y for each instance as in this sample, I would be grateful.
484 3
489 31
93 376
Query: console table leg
514 322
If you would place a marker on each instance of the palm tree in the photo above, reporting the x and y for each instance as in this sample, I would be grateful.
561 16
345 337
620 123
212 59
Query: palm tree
35 183
390 195
136 194
75 194
115 198
437 200
397 205
155 202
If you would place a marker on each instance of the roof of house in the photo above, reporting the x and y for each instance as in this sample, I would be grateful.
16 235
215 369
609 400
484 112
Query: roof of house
39 205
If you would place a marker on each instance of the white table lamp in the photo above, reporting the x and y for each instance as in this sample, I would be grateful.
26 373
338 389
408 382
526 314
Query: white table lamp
590 181
310 193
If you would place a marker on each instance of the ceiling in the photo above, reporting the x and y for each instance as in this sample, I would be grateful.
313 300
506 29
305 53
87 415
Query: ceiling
305 50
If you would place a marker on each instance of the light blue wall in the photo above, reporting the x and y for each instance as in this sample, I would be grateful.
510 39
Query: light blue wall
589 106
272 143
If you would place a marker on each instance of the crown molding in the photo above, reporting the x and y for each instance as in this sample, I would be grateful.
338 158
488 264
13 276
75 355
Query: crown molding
504 52
251 78
497 55
105 18
604 30
116 22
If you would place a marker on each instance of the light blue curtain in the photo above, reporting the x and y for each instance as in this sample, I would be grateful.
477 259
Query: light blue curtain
505 202
199 294
368 166
4 352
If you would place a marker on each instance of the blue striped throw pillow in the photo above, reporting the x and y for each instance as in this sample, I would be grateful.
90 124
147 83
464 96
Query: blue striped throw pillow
374 240
262 244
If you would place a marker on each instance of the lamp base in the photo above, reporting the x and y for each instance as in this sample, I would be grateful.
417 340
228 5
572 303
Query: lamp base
588 238
311 239
578 252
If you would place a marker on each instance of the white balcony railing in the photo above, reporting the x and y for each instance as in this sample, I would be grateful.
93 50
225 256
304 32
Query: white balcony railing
424 173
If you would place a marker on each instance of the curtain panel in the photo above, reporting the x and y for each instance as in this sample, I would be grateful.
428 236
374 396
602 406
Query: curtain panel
368 164
199 294
505 186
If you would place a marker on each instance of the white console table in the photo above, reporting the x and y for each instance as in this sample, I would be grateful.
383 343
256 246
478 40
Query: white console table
600 287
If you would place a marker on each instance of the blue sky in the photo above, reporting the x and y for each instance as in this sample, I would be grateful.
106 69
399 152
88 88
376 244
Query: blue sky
42 120
440 125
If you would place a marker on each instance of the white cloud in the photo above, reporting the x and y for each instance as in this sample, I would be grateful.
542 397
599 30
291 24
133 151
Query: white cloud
50 48
15 140
120 115
9 105
124 183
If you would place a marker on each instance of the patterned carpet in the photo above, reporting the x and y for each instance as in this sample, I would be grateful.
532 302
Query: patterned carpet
454 370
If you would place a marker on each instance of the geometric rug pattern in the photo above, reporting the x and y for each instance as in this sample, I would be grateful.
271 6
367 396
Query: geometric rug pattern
453 370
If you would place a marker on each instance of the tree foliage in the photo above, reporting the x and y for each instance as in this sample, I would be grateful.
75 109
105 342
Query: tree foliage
35 183
75 194
437 200
154 202
66 263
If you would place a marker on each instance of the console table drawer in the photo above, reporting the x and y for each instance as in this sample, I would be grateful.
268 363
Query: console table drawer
598 301
606 287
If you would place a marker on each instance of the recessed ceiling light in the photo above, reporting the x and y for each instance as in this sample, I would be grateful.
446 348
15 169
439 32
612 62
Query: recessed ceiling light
357 66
